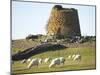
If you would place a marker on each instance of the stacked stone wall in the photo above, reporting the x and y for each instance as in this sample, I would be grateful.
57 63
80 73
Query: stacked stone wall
63 22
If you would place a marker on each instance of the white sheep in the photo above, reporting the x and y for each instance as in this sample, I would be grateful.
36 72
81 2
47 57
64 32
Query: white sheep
28 60
69 57
54 62
47 60
57 61
34 62
73 56
62 60
77 57
40 61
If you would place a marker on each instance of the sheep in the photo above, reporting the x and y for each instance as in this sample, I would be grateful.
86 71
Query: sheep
54 62
47 60
40 61
77 57
73 56
33 62
62 60
57 61
69 57
28 60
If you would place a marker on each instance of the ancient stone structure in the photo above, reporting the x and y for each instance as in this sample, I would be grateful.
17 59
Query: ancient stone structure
63 21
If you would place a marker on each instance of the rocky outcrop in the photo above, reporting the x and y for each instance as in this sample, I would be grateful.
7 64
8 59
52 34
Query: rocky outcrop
37 50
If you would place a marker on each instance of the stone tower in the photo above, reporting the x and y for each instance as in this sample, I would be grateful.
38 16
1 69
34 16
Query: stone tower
63 21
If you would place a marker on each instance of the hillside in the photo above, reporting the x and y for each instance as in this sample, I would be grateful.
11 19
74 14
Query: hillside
86 50
23 44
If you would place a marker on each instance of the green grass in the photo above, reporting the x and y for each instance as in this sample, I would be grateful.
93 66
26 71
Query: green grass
15 50
87 62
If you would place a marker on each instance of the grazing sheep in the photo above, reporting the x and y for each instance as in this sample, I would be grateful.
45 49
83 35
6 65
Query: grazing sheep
69 57
73 56
54 62
57 61
62 60
77 57
23 61
34 62
28 60
47 60
40 61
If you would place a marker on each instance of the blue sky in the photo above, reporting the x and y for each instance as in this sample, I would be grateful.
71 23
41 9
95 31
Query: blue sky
31 18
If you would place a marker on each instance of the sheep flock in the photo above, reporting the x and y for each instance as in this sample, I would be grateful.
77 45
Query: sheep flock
51 61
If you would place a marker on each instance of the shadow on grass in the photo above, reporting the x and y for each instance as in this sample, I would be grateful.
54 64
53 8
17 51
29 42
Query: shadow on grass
37 50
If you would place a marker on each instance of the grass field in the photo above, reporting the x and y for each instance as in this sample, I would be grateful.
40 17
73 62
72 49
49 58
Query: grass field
87 61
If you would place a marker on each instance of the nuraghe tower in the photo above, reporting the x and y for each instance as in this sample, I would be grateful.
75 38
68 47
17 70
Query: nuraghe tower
63 21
